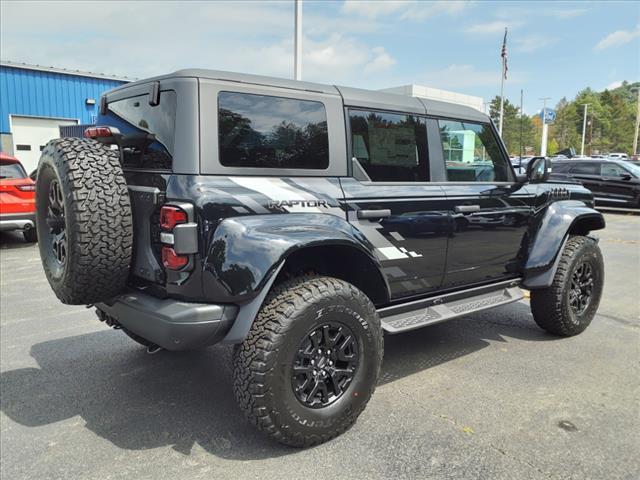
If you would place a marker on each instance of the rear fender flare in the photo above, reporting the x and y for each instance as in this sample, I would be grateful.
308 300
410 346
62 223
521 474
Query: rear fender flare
244 252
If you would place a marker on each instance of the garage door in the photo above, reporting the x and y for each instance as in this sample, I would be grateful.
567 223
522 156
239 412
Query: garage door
31 134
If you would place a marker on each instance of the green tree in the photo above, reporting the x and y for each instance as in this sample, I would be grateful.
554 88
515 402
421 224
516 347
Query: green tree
512 122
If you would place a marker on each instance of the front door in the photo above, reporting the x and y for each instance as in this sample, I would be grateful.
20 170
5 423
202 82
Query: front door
490 211
616 185
390 200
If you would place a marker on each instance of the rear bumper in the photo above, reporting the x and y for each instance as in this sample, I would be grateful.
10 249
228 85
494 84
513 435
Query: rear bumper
169 323
17 221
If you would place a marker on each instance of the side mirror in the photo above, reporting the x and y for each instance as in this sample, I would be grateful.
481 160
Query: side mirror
538 170
626 176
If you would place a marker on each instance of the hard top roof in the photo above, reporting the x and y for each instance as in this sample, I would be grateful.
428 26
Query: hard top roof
355 97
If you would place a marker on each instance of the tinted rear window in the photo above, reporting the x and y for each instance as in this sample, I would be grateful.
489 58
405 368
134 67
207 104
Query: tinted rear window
12 170
262 131
149 132
586 168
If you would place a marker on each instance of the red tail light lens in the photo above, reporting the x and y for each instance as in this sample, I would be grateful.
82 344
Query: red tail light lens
171 216
26 188
98 132
171 260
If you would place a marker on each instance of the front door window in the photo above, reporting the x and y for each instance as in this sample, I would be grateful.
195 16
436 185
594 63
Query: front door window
471 153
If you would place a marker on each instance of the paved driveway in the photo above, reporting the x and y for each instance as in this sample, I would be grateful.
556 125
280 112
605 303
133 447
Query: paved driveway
485 396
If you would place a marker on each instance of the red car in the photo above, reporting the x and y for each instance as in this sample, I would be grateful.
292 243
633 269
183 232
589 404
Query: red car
17 198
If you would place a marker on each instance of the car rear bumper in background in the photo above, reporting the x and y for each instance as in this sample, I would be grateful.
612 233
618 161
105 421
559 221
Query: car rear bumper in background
169 323
17 221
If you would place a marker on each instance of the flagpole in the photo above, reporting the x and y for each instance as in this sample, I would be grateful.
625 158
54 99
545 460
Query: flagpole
501 100
503 54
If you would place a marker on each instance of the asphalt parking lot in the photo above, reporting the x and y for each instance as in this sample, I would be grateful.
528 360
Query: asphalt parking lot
485 396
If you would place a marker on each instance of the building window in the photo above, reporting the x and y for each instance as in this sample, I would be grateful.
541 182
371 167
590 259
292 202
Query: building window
23 148
390 147
262 131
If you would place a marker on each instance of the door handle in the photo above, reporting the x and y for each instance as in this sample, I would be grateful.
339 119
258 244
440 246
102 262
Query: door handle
467 208
373 214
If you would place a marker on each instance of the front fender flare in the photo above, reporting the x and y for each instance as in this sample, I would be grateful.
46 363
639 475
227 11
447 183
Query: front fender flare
559 220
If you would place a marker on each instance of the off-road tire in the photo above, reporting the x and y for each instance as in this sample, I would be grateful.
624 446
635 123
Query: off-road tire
30 235
262 364
551 306
96 220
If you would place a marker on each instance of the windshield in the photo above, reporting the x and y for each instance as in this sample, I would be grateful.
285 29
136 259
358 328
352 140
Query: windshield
633 168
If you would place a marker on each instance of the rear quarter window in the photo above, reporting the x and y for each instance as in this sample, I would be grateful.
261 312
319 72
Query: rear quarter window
148 131
261 131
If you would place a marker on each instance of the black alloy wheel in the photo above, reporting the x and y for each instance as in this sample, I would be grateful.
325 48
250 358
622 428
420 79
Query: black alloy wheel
581 289
324 365
56 222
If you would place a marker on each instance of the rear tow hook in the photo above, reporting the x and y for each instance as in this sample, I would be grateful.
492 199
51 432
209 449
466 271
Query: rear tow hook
153 349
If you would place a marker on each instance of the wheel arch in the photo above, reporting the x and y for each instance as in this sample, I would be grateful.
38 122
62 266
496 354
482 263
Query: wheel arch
559 221
342 261
246 256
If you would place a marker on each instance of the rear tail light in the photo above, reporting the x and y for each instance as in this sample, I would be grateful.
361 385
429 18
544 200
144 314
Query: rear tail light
98 132
171 260
26 188
171 216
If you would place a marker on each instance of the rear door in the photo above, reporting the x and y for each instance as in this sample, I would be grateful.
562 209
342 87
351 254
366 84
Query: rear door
490 211
390 200
588 173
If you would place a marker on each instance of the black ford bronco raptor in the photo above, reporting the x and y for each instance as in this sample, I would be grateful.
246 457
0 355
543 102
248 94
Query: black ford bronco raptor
299 222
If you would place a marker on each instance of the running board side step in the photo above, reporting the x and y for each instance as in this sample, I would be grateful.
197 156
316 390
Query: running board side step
420 313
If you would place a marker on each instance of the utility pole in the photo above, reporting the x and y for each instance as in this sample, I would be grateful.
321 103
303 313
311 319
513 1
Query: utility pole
545 127
637 129
297 55
584 128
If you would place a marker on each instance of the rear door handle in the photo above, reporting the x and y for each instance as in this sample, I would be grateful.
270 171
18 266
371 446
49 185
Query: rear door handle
467 208
373 214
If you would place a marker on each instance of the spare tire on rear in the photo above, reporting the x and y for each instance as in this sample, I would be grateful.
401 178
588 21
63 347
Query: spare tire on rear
83 217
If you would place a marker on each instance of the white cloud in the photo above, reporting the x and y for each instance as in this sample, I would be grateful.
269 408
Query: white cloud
137 41
563 14
614 85
381 62
492 27
414 10
461 76
617 38
374 9
531 43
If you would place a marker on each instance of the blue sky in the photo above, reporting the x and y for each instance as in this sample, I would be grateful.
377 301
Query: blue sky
555 48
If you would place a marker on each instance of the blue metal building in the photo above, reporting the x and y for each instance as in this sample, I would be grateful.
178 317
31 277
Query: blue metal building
36 101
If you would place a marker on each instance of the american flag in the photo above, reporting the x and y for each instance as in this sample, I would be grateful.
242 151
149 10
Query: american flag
505 68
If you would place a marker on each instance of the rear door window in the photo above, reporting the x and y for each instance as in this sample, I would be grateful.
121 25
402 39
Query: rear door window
471 153
148 131
391 147
262 131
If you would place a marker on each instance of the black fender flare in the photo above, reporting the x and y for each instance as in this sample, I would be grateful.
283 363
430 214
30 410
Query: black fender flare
245 255
559 220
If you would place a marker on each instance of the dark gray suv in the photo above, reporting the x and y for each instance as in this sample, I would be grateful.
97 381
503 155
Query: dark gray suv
299 222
